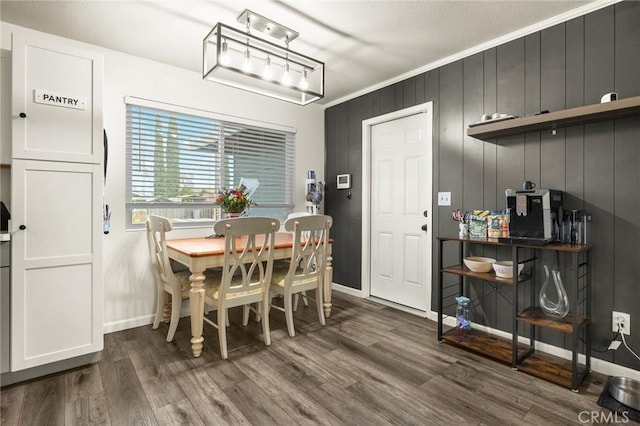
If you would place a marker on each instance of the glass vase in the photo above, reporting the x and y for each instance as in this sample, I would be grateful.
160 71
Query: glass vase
558 309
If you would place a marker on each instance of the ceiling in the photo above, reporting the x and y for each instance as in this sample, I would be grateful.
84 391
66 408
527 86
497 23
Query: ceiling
362 42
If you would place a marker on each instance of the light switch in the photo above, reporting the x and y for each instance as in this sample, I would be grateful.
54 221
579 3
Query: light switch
444 198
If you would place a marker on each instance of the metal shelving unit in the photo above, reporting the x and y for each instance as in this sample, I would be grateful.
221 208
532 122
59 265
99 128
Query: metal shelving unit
521 356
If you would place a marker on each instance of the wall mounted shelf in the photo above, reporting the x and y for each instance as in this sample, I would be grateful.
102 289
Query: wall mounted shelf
623 108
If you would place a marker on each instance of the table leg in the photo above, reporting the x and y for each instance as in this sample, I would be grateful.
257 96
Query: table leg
328 278
196 306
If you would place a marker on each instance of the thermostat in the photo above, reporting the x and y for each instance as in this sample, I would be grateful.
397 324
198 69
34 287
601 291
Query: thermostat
343 181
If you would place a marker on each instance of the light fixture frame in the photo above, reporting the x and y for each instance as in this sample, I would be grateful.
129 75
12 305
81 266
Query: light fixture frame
254 81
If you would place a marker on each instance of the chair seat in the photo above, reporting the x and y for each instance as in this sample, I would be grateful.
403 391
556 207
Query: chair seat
280 270
212 291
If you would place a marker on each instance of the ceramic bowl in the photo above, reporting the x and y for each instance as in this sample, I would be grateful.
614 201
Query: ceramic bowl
479 264
504 268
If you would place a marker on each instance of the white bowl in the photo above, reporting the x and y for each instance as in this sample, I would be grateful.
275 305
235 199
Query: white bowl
479 264
504 268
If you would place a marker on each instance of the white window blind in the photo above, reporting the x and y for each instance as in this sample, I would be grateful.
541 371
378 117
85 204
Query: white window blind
177 162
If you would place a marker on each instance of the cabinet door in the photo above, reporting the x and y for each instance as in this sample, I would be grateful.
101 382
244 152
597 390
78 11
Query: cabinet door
56 306
57 101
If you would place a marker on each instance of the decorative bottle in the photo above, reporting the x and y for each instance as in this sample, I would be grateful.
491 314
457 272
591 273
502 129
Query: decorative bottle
558 309
463 320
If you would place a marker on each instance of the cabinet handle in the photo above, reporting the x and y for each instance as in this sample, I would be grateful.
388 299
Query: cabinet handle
423 227
23 115
22 227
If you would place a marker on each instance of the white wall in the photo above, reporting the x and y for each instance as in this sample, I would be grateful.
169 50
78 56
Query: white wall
129 294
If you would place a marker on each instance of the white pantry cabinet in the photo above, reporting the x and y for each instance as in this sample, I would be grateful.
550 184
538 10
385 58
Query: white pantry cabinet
56 218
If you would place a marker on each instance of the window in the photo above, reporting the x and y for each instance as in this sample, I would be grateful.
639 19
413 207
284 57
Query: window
178 159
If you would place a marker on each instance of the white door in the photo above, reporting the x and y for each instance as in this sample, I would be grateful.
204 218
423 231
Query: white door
400 208
56 298
57 101
56 200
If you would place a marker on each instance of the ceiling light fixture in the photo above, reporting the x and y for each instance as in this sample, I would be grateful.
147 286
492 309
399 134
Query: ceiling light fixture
242 60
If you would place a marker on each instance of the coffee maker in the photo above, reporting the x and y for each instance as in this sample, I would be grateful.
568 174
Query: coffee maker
534 215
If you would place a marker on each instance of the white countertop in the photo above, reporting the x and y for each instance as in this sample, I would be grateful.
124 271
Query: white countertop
5 236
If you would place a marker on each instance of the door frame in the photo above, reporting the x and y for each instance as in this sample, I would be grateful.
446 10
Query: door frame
426 107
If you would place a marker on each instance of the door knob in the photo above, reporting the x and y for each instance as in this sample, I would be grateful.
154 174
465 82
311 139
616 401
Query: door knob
22 227
23 115
424 227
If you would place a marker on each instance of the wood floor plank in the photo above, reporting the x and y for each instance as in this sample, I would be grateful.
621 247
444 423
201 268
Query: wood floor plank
383 362
347 406
85 403
286 396
90 409
474 406
82 381
43 402
11 398
126 400
369 365
158 383
397 408
302 355
178 413
209 401
258 407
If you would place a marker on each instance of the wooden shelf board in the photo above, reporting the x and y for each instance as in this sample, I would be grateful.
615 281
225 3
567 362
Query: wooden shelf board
622 108
544 366
550 368
483 343
5 166
573 248
486 276
536 316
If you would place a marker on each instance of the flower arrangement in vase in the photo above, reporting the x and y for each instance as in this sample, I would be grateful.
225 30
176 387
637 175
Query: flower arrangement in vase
234 201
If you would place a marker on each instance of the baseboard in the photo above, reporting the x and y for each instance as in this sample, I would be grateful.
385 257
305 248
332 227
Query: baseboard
416 312
113 326
141 321
347 290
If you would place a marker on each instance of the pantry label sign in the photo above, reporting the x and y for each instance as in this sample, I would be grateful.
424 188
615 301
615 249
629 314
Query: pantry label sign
48 97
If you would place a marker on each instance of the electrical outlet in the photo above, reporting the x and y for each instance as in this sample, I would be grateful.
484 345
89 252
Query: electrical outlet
623 319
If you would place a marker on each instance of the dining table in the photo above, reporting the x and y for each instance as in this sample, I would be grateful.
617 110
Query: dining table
199 254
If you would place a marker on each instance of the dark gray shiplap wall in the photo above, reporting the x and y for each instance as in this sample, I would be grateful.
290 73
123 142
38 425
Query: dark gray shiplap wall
597 165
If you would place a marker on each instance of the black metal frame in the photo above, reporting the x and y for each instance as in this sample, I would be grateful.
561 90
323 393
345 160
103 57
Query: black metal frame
578 374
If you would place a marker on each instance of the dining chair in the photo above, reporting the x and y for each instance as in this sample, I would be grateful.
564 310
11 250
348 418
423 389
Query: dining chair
168 282
305 270
246 273
278 265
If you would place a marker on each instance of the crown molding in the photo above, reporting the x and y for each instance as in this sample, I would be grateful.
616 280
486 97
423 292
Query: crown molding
549 22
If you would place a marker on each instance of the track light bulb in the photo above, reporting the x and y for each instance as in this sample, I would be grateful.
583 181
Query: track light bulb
268 72
286 77
246 65
224 55
304 83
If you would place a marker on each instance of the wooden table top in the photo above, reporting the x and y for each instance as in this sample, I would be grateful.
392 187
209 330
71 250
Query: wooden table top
203 247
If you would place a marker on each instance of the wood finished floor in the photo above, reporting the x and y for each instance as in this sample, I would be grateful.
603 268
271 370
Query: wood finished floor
370 365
